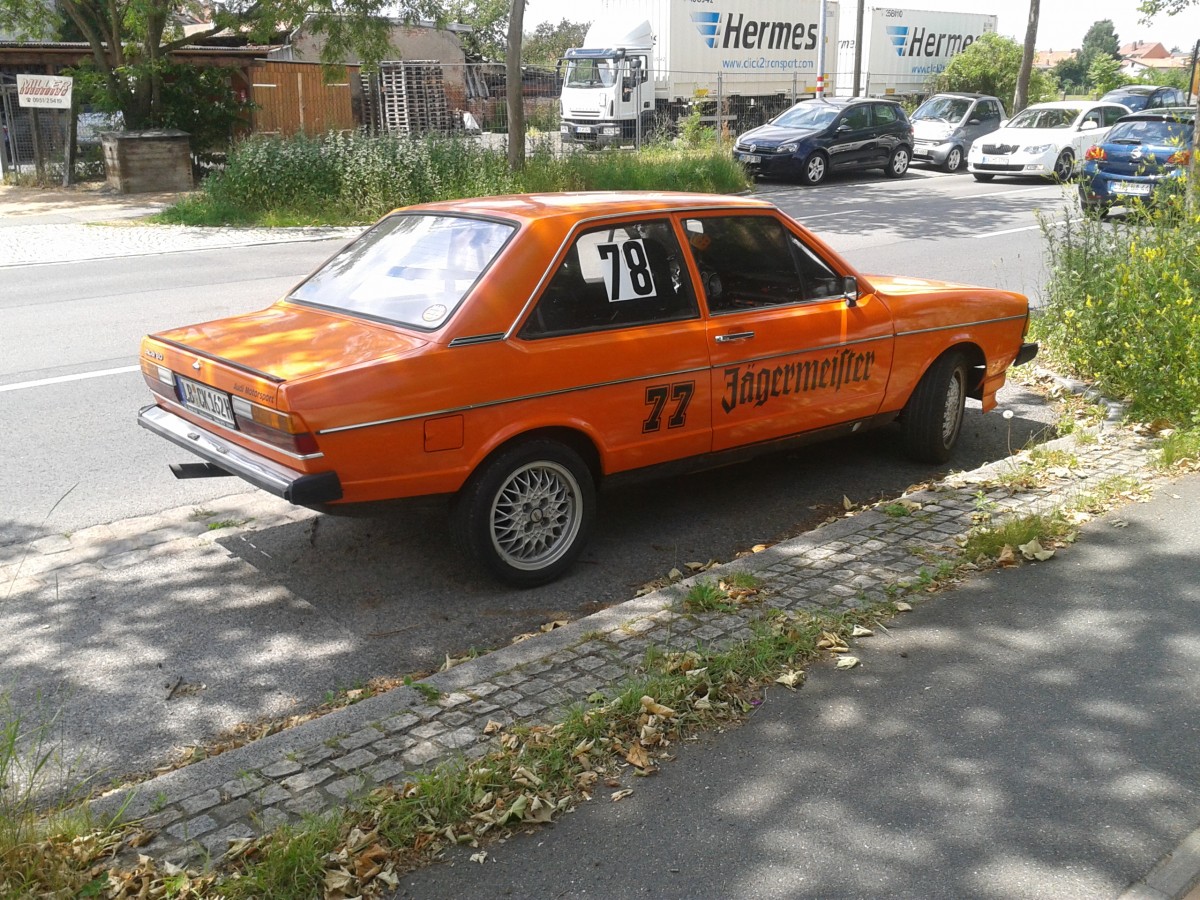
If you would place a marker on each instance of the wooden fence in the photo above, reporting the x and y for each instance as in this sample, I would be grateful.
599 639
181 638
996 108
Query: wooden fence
294 96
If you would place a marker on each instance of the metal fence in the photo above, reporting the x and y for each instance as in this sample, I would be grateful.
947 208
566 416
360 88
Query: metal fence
34 139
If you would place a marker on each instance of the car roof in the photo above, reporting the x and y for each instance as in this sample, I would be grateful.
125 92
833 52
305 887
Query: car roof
969 94
1172 113
1142 89
846 101
1070 104
573 206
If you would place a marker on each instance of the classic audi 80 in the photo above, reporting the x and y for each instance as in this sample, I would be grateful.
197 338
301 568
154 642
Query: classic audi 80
510 353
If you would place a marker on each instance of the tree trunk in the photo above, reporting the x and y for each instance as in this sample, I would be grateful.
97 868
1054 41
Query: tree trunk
1021 98
513 92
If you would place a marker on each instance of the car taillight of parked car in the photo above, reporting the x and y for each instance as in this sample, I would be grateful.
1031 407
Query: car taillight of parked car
1179 158
1096 152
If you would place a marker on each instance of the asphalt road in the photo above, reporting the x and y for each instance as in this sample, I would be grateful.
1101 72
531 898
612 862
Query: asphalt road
269 621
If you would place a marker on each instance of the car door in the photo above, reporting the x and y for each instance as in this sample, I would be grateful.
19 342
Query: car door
983 119
1089 130
853 138
789 352
616 345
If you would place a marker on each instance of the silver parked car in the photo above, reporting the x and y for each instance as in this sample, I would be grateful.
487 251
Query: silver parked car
945 126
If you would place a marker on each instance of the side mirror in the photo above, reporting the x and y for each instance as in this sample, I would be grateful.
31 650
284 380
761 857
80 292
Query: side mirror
843 127
972 121
1089 125
850 290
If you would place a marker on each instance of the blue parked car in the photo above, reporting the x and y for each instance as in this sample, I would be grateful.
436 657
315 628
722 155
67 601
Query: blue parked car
1143 154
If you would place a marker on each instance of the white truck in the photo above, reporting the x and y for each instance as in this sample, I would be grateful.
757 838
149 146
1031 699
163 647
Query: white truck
647 63
905 48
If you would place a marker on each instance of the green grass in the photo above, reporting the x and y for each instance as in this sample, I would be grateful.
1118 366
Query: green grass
1179 447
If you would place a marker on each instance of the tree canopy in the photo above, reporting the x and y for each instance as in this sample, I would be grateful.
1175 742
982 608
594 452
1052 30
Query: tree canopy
547 43
1100 39
991 66
131 41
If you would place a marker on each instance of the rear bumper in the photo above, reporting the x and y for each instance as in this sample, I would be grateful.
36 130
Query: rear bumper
1027 352
295 487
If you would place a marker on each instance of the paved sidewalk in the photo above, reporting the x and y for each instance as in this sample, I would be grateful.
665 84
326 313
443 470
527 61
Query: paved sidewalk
41 227
319 765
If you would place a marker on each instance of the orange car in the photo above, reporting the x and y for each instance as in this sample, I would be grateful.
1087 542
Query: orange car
512 352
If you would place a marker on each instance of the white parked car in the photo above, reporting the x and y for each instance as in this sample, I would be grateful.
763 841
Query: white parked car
1046 139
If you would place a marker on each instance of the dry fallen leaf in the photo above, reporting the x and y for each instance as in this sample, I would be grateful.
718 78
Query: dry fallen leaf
637 756
847 503
847 662
790 678
1035 550
652 706
861 631
1007 557
621 795
902 606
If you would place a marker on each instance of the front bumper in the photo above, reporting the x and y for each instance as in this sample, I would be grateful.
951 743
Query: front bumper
930 151
1027 352
295 487
598 134
781 165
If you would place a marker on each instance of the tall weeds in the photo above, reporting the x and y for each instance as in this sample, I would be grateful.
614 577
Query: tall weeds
1123 309
354 177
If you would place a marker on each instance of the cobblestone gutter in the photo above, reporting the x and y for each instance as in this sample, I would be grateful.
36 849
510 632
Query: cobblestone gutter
328 761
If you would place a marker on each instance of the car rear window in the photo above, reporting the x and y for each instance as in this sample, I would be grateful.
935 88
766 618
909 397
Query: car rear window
1151 132
411 269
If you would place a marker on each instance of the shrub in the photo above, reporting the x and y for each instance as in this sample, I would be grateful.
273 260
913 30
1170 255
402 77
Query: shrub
1122 307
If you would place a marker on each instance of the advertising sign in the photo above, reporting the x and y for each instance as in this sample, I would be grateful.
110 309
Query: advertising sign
44 91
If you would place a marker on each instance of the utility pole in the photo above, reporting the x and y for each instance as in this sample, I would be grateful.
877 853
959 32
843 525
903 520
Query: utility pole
821 53
858 45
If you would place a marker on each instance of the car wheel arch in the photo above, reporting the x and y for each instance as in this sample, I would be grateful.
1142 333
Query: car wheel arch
976 365
577 439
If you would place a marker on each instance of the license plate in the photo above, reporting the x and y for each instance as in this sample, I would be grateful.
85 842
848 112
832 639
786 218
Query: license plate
751 158
994 160
204 401
584 129
1128 187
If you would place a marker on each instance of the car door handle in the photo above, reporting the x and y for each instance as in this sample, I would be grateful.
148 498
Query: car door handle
736 336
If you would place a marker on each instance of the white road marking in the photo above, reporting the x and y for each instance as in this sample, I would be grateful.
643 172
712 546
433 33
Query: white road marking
59 379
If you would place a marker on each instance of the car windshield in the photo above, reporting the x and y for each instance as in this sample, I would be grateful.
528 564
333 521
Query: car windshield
944 109
1167 134
806 117
591 73
1045 117
409 269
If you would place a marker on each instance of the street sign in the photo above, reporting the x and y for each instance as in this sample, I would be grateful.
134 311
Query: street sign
44 91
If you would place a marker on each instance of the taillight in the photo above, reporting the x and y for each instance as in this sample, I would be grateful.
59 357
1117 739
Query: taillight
1179 158
159 379
273 427
1096 152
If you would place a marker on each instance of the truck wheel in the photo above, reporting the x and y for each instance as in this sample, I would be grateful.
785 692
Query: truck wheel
954 159
815 168
526 513
933 416
897 163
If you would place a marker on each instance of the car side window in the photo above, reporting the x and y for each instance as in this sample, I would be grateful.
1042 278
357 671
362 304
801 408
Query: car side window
857 118
884 114
1093 116
1111 114
750 262
989 111
615 277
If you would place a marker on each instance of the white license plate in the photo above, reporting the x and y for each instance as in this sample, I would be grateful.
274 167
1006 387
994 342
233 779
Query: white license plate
1128 187
994 160
584 129
206 402
751 158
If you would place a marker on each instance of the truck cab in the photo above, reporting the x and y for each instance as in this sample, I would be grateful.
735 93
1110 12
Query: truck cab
608 94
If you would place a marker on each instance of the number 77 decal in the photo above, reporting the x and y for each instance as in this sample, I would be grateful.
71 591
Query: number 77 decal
657 396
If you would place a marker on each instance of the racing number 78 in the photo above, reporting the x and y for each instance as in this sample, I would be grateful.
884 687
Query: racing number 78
657 395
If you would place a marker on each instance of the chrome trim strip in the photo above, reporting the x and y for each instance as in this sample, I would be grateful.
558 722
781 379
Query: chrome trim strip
476 339
900 334
461 409
241 434
218 359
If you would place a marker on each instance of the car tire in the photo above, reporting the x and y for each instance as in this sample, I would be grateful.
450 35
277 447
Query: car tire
814 170
1064 166
983 176
897 163
527 512
933 417
954 160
